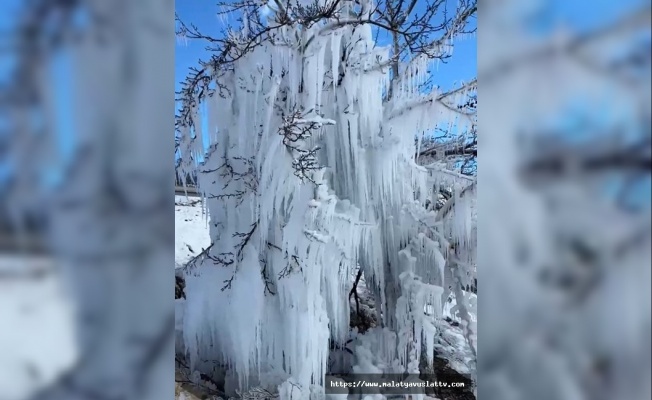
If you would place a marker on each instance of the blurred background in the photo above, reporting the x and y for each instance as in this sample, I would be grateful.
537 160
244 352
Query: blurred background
564 200
86 205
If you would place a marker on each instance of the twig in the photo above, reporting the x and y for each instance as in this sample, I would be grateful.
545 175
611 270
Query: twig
354 292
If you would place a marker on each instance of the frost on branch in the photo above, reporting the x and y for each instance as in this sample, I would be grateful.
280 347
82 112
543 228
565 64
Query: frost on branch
310 176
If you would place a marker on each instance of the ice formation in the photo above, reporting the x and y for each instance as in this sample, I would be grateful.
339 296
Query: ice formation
310 175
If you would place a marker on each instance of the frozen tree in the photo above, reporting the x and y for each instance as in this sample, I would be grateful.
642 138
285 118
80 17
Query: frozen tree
315 129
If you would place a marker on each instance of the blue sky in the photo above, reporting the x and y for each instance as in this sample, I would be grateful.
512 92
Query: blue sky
461 67
583 15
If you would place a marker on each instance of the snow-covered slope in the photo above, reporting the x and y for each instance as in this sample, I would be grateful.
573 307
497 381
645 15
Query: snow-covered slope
191 230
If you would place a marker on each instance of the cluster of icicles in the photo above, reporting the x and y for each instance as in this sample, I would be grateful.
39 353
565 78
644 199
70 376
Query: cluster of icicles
286 246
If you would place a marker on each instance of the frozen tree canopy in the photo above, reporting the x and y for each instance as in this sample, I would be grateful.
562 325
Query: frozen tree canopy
306 137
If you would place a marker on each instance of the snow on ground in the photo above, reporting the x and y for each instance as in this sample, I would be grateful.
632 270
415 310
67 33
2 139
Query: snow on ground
37 341
191 229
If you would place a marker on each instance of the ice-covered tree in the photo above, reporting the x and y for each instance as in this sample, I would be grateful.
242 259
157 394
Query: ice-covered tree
315 128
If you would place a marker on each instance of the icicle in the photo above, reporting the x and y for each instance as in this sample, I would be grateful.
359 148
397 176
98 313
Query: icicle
291 246
336 40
